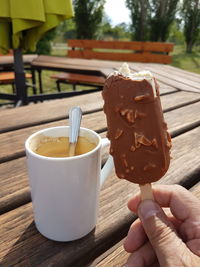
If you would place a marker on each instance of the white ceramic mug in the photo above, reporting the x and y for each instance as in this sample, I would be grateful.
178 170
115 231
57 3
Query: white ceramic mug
65 191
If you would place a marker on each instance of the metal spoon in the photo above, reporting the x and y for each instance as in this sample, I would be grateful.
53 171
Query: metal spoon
75 115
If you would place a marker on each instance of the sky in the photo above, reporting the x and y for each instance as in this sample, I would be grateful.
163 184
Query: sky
117 11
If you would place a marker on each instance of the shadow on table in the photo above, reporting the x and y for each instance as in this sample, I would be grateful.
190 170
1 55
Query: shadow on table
33 249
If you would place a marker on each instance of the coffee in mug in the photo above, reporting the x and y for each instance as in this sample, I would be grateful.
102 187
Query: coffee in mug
58 147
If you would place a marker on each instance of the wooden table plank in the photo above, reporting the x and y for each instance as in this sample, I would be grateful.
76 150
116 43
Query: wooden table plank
72 65
181 71
76 62
184 118
9 60
117 256
176 75
173 81
47 111
21 244
172 71
58 66
166 89
12 144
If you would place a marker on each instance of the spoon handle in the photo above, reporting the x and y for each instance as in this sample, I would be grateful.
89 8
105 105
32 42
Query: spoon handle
75 115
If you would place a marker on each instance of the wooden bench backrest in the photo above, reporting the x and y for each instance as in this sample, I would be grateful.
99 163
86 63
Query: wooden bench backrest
156 52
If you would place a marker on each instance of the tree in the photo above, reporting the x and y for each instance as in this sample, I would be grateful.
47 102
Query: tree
118 32
44 45
191 16
162 16
140 15
176 34
66 30
88 17
151 19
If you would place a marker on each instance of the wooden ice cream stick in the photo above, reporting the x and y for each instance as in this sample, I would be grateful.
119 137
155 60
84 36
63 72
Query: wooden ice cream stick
146 191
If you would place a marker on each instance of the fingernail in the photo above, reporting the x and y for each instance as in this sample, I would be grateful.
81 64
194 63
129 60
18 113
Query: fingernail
148 208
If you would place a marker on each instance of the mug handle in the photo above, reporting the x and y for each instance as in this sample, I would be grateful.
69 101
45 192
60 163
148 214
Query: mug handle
108 166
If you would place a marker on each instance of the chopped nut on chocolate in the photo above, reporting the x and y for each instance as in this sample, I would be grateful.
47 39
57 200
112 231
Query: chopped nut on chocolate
169 137
133 148
169 144
117 108
165 125
141 97
137 144
124 161
155 143
130 116
141 140
149 166
144 141
118 133
139 115
123 112
111 150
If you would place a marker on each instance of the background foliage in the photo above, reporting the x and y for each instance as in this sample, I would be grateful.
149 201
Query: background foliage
88 18
151 20
191 15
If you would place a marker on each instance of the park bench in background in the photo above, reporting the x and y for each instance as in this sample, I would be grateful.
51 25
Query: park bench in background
78 79
151 52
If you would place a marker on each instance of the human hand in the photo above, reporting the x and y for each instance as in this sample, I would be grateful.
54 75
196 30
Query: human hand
157 239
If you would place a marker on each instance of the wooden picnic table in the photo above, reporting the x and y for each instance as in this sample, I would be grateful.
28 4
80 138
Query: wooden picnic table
20 242
7 61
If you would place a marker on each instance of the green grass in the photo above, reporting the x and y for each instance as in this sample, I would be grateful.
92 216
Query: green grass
181 59
186 61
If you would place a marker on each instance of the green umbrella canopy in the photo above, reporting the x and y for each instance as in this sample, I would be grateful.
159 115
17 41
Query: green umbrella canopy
24 22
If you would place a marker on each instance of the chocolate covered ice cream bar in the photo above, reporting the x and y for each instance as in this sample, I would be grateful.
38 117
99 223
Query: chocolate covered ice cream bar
140 143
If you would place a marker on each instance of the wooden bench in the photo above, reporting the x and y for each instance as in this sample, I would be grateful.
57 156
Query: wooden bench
9 78
81 79
154 52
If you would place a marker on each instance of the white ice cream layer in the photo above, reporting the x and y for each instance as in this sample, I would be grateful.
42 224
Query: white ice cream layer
124 69
141 75
145 74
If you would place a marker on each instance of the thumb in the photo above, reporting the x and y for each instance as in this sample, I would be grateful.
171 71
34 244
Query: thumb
160 231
